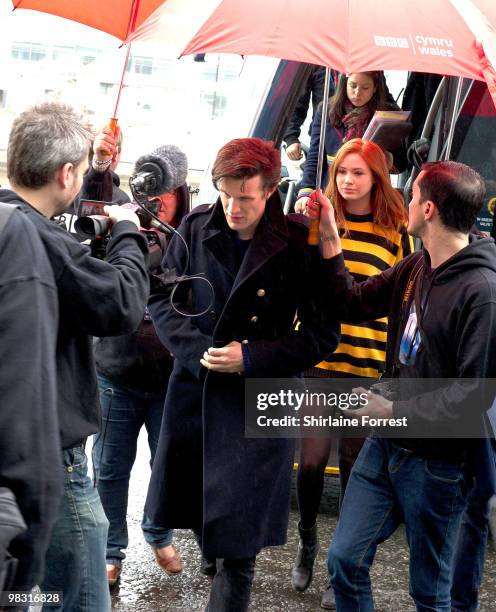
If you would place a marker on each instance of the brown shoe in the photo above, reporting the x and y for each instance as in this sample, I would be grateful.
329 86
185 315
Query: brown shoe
168 559
113 574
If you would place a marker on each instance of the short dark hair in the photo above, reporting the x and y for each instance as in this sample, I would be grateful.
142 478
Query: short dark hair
43 139
457 190
243 158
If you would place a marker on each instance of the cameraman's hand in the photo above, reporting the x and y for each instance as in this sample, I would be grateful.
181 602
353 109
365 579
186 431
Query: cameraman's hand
120 213
228 359
377 406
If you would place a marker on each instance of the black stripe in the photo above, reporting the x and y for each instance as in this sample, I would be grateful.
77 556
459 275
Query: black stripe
356 361
363 342
366 258
375 325
371 238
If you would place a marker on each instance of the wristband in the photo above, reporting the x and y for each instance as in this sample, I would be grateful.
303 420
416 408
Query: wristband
101 166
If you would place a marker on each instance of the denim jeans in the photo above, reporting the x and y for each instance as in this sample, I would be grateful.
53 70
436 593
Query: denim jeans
468 563
75 560
124 411
389 485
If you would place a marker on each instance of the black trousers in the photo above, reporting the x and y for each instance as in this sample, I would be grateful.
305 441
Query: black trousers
231 585
231 582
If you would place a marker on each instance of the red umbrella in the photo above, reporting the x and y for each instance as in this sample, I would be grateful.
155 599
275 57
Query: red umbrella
451 37
127 19
119 18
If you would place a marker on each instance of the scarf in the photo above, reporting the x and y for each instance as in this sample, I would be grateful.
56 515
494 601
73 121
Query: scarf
355 120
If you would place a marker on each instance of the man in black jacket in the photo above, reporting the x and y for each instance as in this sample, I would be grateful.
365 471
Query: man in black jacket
441 304
207 475
29 436
46 159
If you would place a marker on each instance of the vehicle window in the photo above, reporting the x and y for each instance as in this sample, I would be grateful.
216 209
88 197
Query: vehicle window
474 144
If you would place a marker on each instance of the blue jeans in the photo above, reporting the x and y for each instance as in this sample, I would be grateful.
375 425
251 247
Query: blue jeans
468 563
389 485
124 411
75 560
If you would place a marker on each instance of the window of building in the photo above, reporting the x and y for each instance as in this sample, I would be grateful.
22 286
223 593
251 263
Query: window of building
28 51
143 65
87 55
63 53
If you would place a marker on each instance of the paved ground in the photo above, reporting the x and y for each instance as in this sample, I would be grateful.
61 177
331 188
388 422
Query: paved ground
145 588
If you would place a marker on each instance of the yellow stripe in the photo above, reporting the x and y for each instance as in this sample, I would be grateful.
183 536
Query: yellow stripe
350 369
333 471
369 228
369 248
361 352
364 332
358 267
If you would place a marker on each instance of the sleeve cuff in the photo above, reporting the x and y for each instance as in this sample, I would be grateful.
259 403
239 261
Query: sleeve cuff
246 359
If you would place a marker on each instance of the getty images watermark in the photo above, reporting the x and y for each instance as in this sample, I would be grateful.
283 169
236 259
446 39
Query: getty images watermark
353 407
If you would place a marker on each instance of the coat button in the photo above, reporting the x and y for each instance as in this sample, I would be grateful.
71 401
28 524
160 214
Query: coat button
254 319
213 315
261 292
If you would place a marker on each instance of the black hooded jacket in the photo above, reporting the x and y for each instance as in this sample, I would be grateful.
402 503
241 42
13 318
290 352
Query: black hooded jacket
96 298
29 436
458 329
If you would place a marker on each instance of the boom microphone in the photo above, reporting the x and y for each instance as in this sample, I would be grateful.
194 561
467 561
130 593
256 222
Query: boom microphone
163 171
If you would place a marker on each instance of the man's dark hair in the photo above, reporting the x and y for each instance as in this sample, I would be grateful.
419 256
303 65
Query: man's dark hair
457 190
244 158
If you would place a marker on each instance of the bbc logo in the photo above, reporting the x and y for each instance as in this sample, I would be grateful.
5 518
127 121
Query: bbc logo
391 41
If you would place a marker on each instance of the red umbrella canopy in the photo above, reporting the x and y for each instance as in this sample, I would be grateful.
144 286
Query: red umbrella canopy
452 37
116 17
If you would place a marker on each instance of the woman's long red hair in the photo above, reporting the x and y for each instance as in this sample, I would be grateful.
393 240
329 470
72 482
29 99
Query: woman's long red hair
388 207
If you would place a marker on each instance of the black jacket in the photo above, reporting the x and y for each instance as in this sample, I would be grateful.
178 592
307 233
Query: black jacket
100 186
458 327
96 298
204 460
29 432
313 87
137 360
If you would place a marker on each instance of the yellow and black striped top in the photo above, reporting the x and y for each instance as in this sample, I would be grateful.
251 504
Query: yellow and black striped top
367 250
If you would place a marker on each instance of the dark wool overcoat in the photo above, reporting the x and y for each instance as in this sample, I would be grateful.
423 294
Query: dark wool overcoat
207 475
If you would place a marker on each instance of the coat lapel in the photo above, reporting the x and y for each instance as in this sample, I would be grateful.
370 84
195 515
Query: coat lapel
216 239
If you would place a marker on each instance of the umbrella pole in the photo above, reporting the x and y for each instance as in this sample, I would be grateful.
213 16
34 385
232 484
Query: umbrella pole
121 85
323 127
313 229
133 16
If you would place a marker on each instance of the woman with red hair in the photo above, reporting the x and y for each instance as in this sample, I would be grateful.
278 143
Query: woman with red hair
372 219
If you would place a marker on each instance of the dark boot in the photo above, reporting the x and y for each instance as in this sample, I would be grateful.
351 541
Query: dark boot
308 547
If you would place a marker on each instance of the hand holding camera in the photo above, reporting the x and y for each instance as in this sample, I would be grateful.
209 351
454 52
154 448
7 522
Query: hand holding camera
125 212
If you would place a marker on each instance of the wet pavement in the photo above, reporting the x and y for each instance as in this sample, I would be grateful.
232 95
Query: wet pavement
145 588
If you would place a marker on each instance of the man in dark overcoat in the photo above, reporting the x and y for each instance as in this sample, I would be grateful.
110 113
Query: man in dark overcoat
231 490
